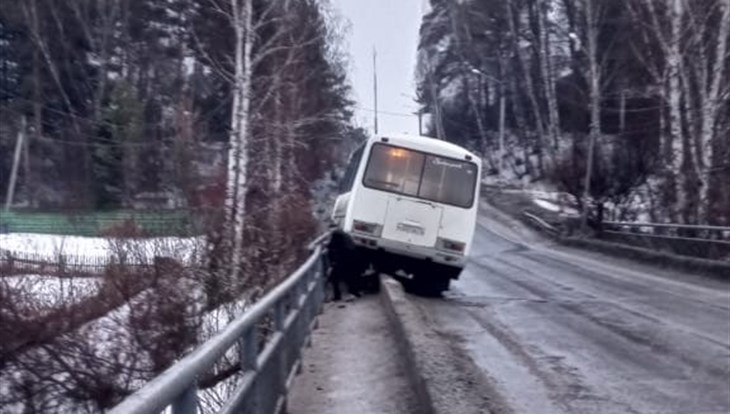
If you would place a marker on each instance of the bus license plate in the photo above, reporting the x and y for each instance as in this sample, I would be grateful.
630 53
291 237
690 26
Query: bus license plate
407 228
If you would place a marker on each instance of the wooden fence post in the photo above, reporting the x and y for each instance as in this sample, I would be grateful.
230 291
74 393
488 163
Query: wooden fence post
11 264
61 264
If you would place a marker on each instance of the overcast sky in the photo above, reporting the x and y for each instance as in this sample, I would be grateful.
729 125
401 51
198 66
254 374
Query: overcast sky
391 26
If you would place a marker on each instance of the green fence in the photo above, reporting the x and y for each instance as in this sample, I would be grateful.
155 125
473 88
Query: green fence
146 223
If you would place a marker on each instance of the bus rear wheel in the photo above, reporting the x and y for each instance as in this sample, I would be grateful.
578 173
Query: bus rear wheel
427 283
435 286
431 287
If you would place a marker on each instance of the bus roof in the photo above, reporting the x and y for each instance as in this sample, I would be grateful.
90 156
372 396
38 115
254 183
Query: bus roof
427 144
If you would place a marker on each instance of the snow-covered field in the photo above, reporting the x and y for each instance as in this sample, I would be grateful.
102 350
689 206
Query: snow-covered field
125 339
49 247
48 291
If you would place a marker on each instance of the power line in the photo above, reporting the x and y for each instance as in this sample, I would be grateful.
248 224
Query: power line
100 141
198 120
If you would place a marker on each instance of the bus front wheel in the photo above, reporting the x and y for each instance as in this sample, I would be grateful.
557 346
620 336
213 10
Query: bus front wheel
426 286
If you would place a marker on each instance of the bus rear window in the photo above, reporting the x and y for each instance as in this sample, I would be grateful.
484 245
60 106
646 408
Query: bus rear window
416 174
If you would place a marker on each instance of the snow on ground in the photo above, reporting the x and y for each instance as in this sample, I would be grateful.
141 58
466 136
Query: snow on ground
49 291
547 205
50 246
554 207
121 339
112 342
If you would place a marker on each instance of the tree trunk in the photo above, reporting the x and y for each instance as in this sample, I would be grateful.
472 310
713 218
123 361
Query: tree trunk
547 73
713 104
529 84
238 151
594 77
676 161
521 121
30 180
440 132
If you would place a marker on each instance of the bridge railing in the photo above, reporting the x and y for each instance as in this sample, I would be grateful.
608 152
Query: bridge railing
268 362
707 242
711 242
540 224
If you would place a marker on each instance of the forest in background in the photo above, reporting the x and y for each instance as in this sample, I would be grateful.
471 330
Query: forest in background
638 89
232 108
131 98
235 110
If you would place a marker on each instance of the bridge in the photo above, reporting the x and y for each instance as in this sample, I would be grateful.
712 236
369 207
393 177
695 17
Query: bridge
532 326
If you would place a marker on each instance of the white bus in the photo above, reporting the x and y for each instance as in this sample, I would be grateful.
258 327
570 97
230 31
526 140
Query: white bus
409 204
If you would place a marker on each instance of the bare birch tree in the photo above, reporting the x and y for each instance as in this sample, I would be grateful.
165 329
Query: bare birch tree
240 18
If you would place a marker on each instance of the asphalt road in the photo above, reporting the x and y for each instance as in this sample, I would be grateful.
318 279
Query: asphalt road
564 331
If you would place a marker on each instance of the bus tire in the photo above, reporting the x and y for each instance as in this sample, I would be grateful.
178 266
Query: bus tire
436 286
427 285
452 272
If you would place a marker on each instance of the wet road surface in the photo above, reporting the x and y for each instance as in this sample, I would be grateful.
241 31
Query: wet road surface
563 331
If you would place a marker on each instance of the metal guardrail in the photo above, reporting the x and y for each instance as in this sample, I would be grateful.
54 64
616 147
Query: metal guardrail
292 306
704 242
544 225
697 241
702 234
663 225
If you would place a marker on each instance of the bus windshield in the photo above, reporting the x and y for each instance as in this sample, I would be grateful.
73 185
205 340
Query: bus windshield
421 175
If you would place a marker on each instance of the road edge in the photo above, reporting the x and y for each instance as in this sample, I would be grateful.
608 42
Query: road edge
394 303
444 381
713 269
709 268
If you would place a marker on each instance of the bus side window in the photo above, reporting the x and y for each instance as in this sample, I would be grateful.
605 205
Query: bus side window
349 178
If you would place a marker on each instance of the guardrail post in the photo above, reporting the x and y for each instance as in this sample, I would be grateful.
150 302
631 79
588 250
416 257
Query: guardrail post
187 402
11 264
311 303
320 279
249 350
280 365
304 310
249 362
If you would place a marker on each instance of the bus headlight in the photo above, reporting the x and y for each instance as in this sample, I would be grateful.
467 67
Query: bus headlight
367 228
450 246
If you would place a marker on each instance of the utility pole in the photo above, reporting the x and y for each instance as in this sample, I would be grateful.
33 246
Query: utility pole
440 132
595 126
16 164
502 111
375 88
